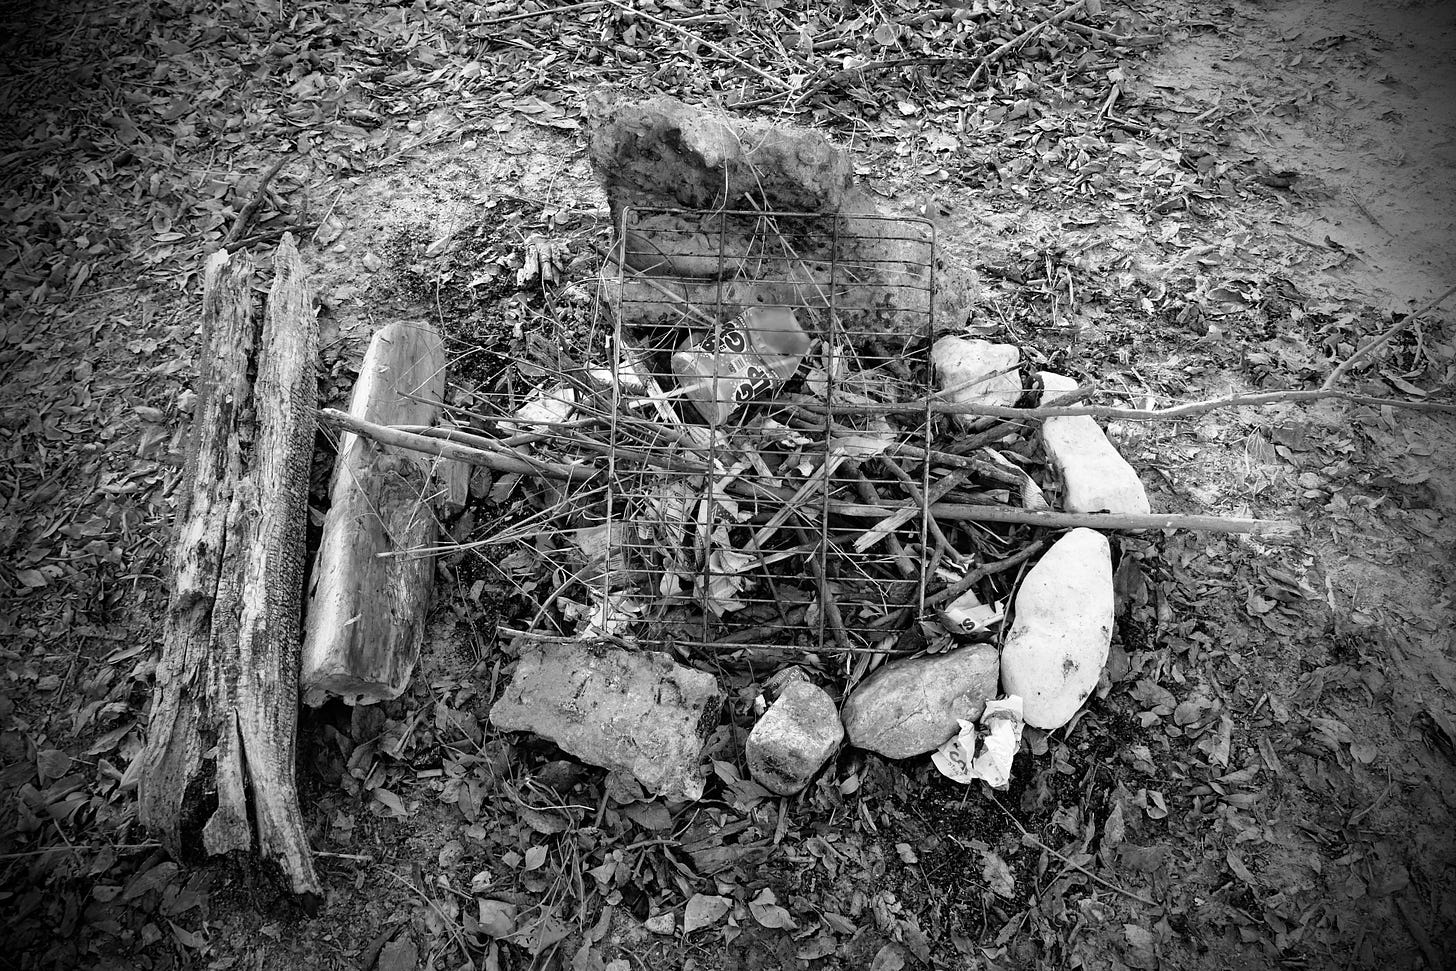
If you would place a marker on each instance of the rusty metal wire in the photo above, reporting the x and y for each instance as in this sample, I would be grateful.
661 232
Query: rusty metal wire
728 455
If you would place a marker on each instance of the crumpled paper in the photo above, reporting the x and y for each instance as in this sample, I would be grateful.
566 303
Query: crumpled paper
958 760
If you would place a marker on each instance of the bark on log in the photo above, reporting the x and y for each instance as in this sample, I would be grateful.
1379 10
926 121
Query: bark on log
221 740
367 605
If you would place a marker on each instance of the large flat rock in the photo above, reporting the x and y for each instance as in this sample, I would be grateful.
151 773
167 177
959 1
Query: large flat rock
662 152
638 712
910 707
1059 641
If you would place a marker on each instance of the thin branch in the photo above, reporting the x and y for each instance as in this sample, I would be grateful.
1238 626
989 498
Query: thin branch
97 848
1075 866
501 461
1259 400
1273 528
1021 39
777 82
246 215
1376 343
538 14
980 573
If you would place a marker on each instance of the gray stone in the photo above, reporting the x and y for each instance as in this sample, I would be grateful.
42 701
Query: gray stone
794 738
637 712
910 707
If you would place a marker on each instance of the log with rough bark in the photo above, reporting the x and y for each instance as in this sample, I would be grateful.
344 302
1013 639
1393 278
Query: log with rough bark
218 770
371 582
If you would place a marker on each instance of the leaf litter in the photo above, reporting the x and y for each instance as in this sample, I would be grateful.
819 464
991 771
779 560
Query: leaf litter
1254 763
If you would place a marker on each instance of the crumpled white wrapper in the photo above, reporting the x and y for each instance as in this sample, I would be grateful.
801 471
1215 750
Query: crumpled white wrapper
966 615
957 758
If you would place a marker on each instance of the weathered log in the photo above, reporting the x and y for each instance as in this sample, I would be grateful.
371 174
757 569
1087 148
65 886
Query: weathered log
371 588
221 738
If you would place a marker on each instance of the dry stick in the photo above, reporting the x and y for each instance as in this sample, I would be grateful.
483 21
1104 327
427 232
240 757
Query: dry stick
982 572
1001 429
1379 342
922 502
1021 39
1129 414
827 603
246 215
866 489
499 461
85 848
954 511
779 83
970 512
1075 866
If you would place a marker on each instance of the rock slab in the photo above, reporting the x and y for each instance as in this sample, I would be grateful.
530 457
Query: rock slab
1059 641
637 712
662 152
910 707
1095 476
794 738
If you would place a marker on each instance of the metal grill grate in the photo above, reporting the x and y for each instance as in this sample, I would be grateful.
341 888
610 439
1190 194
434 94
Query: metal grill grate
753 498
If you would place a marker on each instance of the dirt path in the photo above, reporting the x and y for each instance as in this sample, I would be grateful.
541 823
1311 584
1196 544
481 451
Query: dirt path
1268 777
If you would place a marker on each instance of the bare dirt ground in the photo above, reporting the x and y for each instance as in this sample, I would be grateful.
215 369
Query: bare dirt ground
1217 199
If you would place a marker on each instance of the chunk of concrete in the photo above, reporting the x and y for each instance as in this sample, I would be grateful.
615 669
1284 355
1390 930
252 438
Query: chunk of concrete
976 372
794 738
910 707
1095 476
662 152
637 712
1060 637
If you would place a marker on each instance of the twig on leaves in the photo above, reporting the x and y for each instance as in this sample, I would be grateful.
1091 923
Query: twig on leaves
72 848
1075 866
777 82
234 236
538 14
1378 342
1021 39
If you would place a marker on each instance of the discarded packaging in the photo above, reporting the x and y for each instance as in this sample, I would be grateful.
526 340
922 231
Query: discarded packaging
750 357
967 616
543 408
1002 723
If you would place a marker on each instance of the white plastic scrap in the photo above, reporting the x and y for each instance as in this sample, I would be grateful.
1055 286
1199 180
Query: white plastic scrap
957 759
547 404
966 615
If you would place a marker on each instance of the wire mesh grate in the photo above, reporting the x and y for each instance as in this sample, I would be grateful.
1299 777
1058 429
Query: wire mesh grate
758 494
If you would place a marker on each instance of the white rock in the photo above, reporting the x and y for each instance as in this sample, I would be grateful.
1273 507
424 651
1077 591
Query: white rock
794 738
1063 627
971 368
909 707
1095 478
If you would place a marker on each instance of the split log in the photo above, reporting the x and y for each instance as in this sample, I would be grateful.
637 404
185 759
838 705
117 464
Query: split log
371 587
221 738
